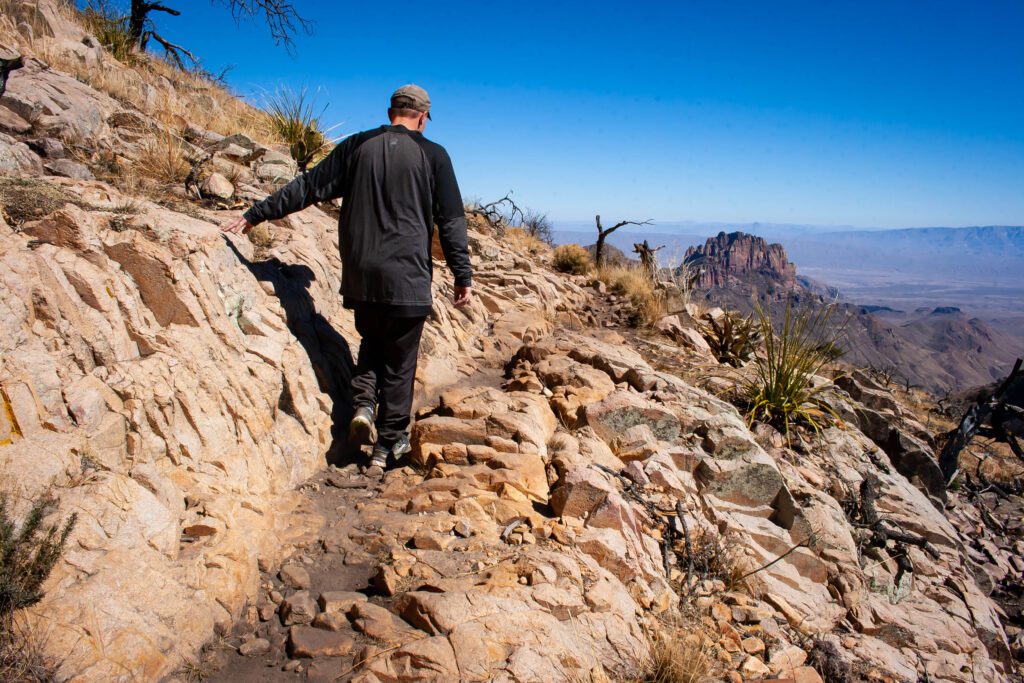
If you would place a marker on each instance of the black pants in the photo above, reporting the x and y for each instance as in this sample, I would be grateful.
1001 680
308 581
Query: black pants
386 369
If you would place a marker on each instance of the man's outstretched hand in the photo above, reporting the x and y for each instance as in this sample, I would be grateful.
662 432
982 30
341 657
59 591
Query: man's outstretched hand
239 226
462 295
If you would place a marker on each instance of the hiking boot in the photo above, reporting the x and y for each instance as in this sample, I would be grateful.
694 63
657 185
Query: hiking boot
380 457
397 450
401 447
361 424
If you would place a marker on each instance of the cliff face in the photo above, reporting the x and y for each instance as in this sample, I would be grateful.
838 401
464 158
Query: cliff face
729 258
183 391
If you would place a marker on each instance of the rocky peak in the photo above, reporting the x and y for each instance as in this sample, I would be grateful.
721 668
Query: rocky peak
733 256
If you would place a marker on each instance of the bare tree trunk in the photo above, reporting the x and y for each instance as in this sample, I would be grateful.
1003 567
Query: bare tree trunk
602 235
648 259
599 246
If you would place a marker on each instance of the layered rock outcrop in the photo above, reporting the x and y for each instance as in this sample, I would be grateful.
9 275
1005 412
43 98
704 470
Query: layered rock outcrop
727 258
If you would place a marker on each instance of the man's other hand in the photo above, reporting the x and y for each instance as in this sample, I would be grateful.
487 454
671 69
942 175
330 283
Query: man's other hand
461 296
239 226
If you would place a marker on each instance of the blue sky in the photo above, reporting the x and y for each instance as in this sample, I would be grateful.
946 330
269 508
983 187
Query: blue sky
882 114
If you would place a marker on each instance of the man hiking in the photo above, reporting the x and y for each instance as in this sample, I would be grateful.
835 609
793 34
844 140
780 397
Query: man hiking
394 185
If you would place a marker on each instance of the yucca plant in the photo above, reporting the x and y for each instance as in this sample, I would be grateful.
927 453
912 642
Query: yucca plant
782 391
732 339
295 120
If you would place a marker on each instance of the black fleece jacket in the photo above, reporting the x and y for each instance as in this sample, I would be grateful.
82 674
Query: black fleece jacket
395 185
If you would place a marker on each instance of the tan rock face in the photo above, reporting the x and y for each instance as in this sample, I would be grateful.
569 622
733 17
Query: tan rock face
196 410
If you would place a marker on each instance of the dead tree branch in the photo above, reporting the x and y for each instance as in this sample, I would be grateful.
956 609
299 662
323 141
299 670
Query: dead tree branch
500 213
1000 417
282 19
175 52
883 531
602 235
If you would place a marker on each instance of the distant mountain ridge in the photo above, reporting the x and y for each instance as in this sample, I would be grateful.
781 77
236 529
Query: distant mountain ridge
938 347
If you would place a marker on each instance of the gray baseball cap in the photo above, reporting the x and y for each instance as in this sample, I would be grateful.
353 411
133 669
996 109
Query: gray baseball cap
411 97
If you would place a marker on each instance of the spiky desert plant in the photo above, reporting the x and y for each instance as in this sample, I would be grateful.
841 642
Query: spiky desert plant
571 258
294 118
732 339
782 391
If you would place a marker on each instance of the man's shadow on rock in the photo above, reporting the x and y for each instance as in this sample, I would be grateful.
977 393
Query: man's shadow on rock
328 351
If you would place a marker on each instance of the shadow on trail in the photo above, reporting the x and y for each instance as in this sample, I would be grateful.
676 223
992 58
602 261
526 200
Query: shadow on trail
328 351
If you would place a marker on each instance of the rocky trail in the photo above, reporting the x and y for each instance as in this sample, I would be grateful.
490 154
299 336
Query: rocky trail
580 500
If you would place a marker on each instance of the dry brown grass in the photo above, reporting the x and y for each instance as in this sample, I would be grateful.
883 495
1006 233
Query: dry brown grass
193 95
682 650
163 159
522 242
23 657
572 259
144 87
634 284
679 655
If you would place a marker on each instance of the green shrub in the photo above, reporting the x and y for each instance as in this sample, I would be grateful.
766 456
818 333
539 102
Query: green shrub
28 554
571 258
782 392
732 339
293 119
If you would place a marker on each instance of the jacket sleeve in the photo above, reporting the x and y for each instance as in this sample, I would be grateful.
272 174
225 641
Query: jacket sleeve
451 221
323 182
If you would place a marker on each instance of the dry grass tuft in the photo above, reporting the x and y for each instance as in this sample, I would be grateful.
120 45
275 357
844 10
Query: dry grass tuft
164 159
560 442
680 656
636 285
23 657
572 259
522 241
681 651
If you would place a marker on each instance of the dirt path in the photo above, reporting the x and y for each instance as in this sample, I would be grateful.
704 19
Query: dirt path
335 562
